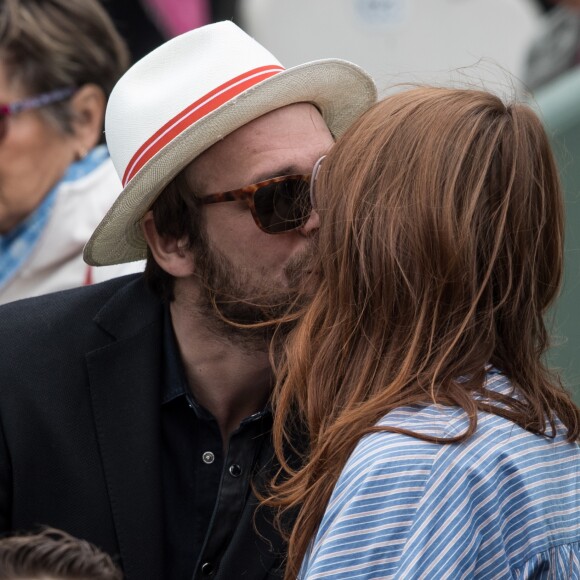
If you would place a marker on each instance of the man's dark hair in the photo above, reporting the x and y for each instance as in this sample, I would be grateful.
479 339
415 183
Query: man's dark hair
55 554
176 214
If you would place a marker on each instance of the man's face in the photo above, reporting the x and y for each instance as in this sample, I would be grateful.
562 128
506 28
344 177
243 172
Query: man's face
245 268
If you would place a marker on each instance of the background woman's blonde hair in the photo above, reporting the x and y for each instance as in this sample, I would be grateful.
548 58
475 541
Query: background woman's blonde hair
440 249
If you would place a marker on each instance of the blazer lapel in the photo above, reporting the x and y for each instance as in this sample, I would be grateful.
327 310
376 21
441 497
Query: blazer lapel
125 380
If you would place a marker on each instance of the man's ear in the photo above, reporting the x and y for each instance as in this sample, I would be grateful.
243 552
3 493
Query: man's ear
88 111
170 254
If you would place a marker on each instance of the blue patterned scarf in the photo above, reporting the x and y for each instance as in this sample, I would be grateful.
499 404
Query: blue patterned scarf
17 245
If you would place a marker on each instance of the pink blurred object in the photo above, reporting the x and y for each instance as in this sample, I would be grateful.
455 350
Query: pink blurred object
177 16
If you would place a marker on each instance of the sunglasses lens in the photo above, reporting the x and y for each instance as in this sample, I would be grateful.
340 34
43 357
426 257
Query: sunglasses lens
283 206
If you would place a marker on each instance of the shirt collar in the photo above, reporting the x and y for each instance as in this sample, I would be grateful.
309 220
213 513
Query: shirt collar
174 385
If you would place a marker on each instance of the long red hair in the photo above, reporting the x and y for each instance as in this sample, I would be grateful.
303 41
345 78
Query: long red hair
440 249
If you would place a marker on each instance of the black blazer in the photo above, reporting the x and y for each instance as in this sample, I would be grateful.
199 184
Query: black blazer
80 379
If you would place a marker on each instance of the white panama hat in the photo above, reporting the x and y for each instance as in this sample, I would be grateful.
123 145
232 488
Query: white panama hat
191 92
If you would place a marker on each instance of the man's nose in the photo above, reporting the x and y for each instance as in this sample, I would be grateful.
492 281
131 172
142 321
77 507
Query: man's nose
311 226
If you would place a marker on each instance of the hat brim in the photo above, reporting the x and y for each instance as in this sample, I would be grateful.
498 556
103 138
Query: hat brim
339 89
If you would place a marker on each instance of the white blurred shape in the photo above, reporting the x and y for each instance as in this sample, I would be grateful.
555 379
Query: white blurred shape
480 42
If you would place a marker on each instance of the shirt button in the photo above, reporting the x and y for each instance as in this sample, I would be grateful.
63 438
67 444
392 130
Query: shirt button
207 568
235 470
208 457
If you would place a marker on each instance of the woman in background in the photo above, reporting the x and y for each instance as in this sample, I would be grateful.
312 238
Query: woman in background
441 446
59 60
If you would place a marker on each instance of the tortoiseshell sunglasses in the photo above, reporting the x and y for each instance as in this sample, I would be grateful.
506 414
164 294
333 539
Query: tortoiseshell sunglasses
9 109
278 205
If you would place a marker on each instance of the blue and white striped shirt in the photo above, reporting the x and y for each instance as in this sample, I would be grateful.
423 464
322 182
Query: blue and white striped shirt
503 504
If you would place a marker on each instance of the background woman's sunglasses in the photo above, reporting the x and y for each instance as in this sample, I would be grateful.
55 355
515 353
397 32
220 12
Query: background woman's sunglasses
9 109
278 205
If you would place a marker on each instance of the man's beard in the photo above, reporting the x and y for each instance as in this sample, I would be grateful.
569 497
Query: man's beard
243 310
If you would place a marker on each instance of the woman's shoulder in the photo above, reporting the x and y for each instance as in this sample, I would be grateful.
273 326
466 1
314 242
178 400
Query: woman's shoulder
418 433
410 501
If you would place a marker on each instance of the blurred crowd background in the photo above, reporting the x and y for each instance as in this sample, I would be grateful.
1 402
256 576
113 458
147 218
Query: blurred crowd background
398 41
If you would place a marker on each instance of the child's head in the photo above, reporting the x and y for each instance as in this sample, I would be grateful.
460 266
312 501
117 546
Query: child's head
54 555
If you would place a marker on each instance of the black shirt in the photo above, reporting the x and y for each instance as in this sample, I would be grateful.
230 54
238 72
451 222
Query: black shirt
204 488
